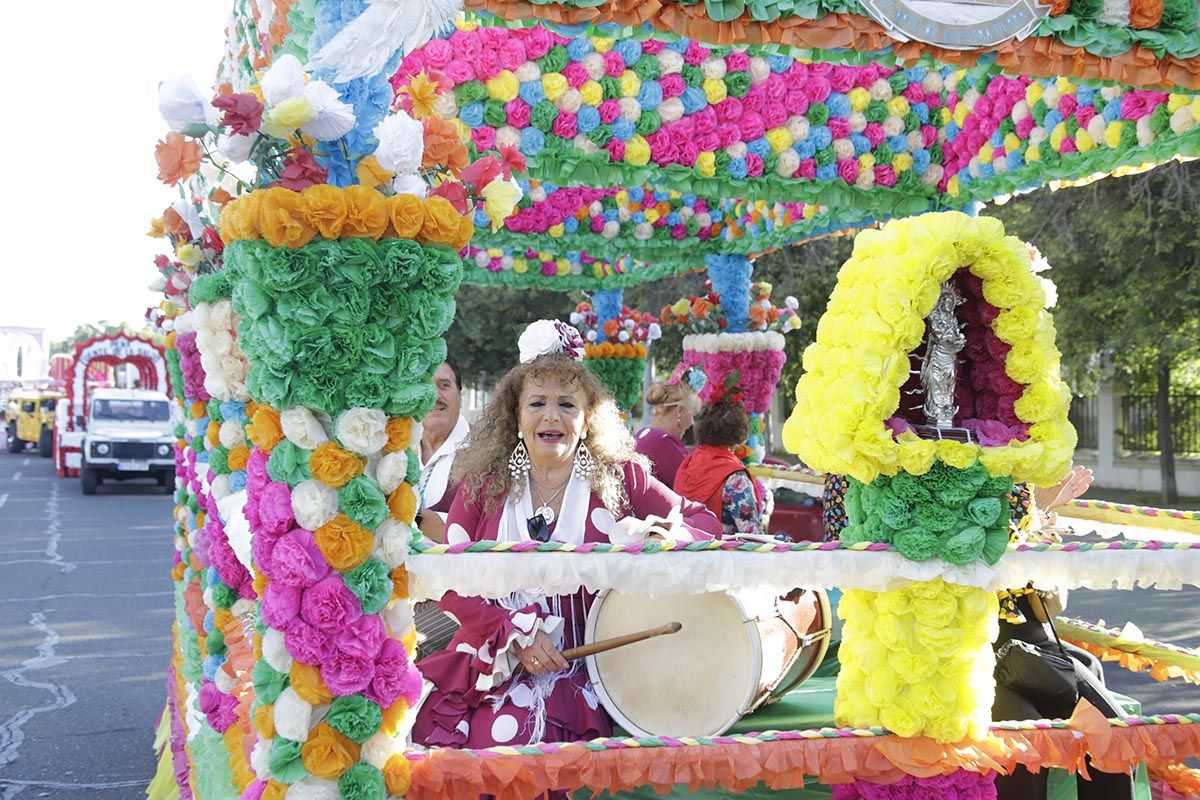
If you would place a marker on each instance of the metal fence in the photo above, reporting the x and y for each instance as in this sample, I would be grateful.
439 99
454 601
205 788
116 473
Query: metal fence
1139 422
1085 416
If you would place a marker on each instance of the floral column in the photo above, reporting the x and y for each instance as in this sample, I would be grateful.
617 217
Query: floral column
344 295
918 659
755 352
616 348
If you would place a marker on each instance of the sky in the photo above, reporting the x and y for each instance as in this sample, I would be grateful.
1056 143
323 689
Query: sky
80 121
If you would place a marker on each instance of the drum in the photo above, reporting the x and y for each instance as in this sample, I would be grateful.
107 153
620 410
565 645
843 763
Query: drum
735 653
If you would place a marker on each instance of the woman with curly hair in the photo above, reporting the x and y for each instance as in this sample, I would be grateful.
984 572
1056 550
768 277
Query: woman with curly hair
549 460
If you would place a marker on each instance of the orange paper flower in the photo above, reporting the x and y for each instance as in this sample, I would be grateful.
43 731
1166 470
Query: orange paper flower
178 158
393 716
327 753
397 775
308 683
344 543
264 721
422 94
333 465
443 148
371 173
325 209
264 429
466 229
403 503
282 219
399 433
400 582
366 213
441 222
274 791
238 456
408 215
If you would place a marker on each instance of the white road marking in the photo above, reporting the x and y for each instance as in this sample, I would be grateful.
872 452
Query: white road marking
17 475
60 785
3 499
25 463
83 594
11 733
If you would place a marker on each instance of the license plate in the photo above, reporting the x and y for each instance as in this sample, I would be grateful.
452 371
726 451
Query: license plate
133 466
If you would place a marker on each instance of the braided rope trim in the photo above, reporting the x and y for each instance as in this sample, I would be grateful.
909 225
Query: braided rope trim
714 545
1145 511
765 737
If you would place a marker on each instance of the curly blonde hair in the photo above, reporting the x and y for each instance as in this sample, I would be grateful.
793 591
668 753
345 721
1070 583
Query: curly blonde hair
481 466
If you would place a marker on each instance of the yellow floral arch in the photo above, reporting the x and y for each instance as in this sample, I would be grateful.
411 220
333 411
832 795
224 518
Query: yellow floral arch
854 371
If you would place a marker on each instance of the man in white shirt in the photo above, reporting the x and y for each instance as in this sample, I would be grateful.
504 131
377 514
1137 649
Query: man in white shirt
443 432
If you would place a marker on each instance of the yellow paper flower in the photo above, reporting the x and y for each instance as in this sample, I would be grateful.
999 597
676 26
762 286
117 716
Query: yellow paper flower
499 199
282 121
876 317
422 93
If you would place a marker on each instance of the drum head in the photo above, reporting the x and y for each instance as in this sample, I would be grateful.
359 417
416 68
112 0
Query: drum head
693 683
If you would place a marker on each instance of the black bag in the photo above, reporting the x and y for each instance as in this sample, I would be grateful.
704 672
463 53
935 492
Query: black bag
1045 674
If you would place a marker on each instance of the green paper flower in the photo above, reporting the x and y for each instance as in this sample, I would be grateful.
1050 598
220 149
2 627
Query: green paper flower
403 263
985 511
288 464
916 544
218 460
285 763
431 313
213 407
355 717
494 114
362 501
443 269
224 596
470 92
542 116
554 60
413 475
215 642
934 518
371 582
995 544
964 546
268 682
412 401
362 782
210 288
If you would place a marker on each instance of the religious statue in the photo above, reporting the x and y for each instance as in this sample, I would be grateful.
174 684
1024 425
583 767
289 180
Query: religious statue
939 367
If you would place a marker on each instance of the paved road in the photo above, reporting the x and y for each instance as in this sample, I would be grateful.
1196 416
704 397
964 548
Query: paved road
85 614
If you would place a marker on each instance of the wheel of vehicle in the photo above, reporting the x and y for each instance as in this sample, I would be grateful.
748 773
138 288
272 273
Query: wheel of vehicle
88 480
15 445
46 443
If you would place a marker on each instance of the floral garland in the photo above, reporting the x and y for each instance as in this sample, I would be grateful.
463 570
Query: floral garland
1132 650
598 111
627 326
853 377
958 785
918 660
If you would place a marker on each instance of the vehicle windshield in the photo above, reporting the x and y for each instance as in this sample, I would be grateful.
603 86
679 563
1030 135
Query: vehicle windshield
48 403
131 410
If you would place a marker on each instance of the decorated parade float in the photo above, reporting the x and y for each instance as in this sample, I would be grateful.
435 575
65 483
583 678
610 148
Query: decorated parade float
361 159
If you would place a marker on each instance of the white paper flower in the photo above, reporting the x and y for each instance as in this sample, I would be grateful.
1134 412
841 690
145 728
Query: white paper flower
260 759
653 332
181 103
158 284
274 652
301 428
379 748
314 504
401 143
362 430
235 147
293 716
220 487
398 617
392 539
410 184
283 81
313 788
191 215
231 433
334 119
391 471
224 681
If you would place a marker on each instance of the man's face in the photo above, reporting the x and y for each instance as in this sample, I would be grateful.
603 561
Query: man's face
444 416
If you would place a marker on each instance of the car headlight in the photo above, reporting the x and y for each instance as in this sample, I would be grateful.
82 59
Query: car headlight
164 449
102 448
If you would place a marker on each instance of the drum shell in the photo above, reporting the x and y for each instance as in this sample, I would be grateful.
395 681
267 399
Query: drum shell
735 652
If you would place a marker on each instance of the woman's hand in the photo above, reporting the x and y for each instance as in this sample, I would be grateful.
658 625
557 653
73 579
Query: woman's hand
1077 481
540 657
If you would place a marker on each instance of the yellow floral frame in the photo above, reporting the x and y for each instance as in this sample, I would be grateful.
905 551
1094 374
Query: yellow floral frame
854 371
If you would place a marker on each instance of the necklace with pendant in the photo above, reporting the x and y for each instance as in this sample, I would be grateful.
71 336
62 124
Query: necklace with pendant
544 510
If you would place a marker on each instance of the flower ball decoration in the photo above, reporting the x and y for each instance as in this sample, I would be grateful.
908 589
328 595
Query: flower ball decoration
617 350
918 659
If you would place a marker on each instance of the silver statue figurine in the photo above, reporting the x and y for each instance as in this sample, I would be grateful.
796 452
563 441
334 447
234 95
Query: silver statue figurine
939 367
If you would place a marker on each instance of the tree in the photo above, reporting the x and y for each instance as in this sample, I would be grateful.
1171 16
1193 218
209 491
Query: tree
1124 257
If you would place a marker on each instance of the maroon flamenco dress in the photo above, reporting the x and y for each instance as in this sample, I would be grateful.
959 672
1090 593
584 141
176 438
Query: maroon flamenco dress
475 700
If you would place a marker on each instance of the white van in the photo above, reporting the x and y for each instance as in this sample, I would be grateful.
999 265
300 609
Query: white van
130 434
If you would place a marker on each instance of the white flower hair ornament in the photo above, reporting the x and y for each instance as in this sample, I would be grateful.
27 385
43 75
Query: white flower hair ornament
548 336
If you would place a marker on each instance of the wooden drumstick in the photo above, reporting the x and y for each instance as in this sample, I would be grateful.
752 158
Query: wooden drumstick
620 641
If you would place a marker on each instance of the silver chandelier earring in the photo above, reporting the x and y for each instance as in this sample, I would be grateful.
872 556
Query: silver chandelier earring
518 462
585 464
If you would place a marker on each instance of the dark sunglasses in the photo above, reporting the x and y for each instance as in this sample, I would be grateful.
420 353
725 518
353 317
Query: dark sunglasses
539 528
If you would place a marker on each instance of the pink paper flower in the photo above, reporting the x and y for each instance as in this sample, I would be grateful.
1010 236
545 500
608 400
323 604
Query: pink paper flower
307 644
394 676
297 561
280 605
329 604
363 638
345 674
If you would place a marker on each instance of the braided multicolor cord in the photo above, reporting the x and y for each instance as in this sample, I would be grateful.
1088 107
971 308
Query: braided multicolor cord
765 737
713 545
1147 511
